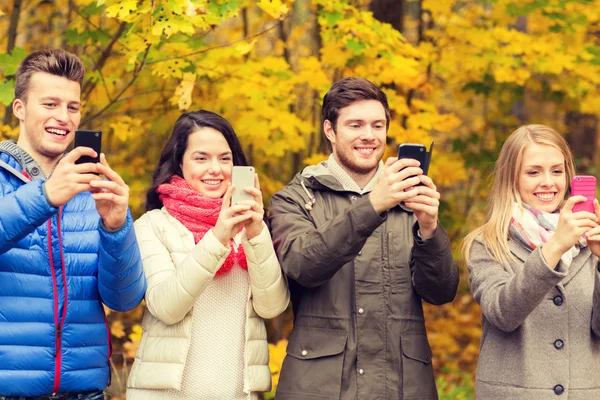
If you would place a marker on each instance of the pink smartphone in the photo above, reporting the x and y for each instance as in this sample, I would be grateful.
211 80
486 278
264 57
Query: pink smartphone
584 185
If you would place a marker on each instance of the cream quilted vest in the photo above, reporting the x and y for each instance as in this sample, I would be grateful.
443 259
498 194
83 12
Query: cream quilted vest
177 272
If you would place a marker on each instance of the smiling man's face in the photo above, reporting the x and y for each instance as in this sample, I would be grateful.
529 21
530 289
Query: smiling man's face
358 141
49 115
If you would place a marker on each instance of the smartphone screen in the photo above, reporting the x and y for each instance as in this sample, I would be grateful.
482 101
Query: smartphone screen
241 177
91 139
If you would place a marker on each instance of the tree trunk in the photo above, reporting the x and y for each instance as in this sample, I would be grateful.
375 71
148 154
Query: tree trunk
12 39
389 11
582 135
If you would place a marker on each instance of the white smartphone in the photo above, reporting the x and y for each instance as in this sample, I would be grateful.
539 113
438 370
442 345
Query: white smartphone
241 177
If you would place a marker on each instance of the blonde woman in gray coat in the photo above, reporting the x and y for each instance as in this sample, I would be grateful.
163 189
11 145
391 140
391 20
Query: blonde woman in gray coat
533 268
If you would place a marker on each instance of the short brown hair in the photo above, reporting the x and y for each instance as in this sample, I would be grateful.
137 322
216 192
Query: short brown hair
348 91
52 61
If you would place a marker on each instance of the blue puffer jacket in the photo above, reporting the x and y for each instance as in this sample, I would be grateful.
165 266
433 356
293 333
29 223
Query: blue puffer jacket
54 336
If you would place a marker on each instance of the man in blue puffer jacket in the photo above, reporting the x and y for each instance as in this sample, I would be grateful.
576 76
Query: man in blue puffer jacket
67 243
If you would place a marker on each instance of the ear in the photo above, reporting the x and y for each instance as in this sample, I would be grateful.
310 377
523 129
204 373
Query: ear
18 107
329 132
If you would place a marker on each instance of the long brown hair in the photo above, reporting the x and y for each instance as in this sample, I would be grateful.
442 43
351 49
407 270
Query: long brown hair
505 191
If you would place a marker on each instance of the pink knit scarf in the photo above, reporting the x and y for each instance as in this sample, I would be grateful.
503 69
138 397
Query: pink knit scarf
198 213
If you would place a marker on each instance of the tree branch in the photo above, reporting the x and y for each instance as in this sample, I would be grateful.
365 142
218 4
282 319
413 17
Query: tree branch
217 47
89 86
127 86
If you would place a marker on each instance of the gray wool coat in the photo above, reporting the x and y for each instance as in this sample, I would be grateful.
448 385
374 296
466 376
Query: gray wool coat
540 326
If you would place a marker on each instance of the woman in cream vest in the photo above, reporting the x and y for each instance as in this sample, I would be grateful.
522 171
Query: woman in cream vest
533 268
211 270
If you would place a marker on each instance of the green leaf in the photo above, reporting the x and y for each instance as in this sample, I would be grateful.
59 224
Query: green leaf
10 62
332 18
7 92
355 45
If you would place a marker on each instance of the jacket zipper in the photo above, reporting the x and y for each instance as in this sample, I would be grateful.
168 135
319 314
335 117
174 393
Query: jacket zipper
109 346
58 323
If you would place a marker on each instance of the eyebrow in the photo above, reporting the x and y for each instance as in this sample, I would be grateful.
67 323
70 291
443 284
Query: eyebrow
539 166
363 120
204 153
52 98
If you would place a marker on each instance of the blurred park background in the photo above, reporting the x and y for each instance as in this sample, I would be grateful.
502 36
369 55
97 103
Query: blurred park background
462 73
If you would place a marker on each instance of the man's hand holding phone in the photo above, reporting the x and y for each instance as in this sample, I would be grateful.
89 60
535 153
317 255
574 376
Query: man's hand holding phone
111 195
397 183
69 179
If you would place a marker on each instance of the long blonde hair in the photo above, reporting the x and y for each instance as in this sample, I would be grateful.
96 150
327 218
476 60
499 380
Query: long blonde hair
505 191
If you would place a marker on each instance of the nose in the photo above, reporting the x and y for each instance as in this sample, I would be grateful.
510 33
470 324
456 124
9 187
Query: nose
215 167
62 114
367 133
547 182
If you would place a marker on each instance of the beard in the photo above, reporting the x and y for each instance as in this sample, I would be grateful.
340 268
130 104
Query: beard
359 167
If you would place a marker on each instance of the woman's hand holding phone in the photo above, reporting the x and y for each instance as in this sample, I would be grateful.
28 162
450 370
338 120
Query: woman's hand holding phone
231 218
257 211
571 225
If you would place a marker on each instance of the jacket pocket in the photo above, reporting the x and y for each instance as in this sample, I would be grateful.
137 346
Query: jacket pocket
417 371
314 362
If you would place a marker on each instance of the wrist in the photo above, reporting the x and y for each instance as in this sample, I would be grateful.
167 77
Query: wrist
379 208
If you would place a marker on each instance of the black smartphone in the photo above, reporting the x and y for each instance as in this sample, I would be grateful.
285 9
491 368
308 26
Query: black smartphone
416 152
92 139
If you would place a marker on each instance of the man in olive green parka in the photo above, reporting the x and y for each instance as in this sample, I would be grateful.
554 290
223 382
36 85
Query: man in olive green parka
359 263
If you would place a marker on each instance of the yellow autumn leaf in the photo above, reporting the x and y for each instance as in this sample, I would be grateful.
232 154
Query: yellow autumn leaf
122 10
245 47
275 8
183 93
117 329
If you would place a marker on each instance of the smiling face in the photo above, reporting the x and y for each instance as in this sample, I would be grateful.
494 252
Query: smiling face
358 141
49 116
542 178
207 162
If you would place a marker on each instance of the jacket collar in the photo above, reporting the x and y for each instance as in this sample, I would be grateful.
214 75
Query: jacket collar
24 159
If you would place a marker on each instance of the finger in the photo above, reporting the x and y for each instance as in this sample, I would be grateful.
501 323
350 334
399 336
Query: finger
83 178
593 232
425 180
109 196
426 200
404 163
85 168
597 208
256 182
571 202
429 210
583 215
409 183
108 185
107 171
407 173
426 191
390 161
256 193
238 219
78 152
227 197
235 209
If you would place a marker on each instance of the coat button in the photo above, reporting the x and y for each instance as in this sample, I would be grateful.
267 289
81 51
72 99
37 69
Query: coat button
361 371
558 300
353 198
360 252
559 344
361 311
304 353
559 389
